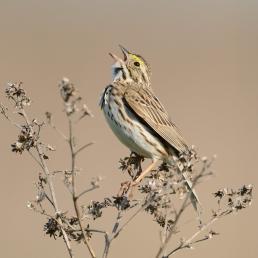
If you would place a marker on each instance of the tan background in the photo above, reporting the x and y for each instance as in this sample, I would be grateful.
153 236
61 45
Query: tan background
204 58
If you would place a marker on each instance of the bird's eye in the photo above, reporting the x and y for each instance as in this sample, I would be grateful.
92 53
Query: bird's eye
136 63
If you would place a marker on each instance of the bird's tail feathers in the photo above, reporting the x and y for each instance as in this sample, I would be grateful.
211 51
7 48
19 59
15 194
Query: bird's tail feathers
193 195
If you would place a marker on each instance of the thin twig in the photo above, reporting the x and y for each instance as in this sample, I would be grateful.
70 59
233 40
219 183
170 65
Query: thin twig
54 200
3 110
87 190
129 220
189 242
49 200
50 184
59 132
178 216
116 229
182 209
165 229
75 197
35 159
83 147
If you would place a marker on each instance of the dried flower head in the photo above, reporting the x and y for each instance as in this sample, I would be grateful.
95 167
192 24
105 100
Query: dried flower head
26 139
67 89
15 92
52 228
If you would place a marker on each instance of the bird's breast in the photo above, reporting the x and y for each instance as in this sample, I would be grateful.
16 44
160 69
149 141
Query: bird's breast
128 128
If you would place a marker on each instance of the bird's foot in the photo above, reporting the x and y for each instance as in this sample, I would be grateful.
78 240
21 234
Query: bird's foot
124 188
127 188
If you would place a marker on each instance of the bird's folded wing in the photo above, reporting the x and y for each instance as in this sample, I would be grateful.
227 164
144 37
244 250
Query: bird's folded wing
148 107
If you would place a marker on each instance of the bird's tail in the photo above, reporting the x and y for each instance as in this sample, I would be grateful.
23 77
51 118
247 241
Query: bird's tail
193 195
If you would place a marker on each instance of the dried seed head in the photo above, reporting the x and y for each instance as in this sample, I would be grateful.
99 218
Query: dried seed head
15 92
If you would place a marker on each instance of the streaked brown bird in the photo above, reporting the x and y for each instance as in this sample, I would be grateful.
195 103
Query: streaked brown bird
137 117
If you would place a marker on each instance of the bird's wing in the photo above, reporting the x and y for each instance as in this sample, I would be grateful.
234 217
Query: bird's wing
145 104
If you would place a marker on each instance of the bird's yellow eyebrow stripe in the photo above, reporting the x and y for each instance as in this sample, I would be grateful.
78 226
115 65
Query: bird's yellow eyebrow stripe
137 59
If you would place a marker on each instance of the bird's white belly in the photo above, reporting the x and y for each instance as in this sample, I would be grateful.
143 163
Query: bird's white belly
132 135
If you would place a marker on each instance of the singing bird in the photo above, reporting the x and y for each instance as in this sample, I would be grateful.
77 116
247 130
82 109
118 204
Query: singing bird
137 117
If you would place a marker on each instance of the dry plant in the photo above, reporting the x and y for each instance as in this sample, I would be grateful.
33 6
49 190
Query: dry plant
163 195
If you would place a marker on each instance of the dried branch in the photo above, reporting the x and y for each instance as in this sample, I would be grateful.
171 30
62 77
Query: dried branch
83 147
87 190
75 197
157 192
50 122
41 162
206 166
117 230
189 242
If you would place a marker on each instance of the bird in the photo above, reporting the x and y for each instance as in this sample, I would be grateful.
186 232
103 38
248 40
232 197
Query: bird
138 119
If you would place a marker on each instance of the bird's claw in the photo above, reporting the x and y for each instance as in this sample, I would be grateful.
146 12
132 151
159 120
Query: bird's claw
126 188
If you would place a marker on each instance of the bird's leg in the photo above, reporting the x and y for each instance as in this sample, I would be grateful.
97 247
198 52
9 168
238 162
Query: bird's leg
124 188
135 161
127 187
145 172
140 177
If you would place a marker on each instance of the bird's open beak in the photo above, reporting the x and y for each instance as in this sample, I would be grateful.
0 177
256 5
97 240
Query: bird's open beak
116 58
125 52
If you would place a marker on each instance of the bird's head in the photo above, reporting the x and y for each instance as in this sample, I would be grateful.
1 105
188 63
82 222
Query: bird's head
132 67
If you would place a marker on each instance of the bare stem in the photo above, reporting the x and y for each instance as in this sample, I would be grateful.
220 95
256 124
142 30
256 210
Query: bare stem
83 147
178 216
53 197
182 209
41 162
189 242
87 190
59 132
128 221
35 159
116 229
75 197
3 111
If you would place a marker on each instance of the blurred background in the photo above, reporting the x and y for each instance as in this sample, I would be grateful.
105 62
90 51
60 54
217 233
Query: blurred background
204 60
